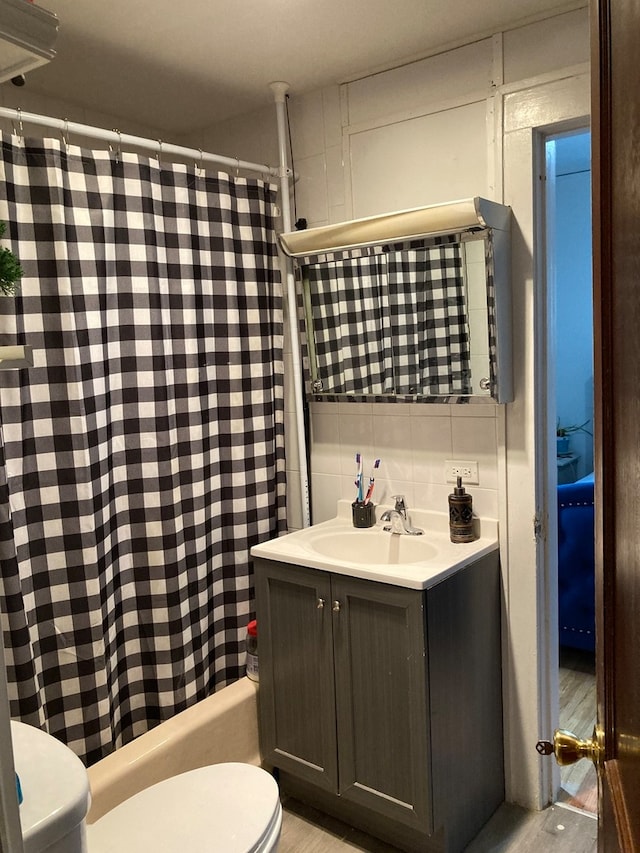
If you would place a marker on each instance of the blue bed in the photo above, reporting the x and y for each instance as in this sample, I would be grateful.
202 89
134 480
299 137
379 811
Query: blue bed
576 564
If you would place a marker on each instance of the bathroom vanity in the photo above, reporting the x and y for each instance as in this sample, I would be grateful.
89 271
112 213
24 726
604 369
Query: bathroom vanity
380 683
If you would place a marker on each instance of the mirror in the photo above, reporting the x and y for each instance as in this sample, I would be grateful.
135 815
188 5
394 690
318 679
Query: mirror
412 322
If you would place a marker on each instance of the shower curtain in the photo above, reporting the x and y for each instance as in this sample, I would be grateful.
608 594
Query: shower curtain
143 455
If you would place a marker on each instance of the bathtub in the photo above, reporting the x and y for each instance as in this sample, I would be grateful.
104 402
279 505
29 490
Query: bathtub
223 727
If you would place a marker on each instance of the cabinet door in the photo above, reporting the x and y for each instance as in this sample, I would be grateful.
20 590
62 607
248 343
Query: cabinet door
297 695
381 699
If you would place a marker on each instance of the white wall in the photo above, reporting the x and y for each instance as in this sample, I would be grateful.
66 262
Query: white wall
458 124
574 301
14 97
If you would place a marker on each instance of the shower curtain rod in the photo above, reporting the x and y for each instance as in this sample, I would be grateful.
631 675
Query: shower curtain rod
119 139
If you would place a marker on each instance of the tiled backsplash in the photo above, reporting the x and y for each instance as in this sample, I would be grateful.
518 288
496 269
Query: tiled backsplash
413 441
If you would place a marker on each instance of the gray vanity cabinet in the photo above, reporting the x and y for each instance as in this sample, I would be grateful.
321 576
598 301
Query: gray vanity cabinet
380 676
297 693
360 702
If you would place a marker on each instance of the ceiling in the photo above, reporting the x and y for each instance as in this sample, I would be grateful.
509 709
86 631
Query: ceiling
179 66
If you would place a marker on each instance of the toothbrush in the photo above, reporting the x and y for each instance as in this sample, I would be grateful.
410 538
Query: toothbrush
358 480
376 465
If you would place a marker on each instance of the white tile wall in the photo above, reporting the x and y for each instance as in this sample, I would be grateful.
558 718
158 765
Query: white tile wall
335 176
256 141
308 123
312 199
413 441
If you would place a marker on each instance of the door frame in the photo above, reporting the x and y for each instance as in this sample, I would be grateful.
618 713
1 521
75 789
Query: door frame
528 112
546 478
546 413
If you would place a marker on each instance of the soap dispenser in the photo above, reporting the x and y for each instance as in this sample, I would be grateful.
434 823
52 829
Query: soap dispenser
461 515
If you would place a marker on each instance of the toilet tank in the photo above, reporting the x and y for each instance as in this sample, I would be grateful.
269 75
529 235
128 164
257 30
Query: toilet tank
55 789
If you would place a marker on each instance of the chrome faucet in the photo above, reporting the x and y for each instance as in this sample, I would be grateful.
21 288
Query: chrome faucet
400 522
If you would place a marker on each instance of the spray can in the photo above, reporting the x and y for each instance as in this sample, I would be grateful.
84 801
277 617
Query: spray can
252 650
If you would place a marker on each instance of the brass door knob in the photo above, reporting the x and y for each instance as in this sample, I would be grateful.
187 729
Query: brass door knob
568 748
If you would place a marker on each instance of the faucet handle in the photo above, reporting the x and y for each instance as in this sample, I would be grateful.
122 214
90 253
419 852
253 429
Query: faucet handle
400 504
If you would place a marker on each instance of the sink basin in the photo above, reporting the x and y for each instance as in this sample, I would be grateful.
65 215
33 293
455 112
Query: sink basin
414 562
372 547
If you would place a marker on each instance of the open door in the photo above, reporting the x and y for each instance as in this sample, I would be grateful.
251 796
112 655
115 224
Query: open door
615 75
615 747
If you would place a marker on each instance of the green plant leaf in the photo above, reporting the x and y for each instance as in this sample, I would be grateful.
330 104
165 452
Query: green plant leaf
562 431
10 270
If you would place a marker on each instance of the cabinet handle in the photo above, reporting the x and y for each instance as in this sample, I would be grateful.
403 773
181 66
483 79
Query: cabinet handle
320 603
336 606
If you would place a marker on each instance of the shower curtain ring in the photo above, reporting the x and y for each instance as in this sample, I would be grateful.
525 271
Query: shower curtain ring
199 167
237 167
65 133
118 149
20 131
159 154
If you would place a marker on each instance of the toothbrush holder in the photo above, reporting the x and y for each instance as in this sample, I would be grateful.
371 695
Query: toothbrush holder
364 515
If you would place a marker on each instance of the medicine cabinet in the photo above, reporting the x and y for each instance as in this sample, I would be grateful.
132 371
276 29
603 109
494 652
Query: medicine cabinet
411 306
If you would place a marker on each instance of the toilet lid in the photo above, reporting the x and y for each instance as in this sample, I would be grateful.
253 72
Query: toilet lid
223 808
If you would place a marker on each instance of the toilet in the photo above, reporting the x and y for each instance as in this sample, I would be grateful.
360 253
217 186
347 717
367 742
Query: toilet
222 808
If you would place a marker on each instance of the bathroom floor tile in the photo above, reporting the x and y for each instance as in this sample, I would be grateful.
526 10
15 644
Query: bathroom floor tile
306 830
511 830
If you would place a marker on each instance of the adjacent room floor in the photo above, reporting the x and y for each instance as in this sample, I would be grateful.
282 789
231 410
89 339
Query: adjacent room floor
578 715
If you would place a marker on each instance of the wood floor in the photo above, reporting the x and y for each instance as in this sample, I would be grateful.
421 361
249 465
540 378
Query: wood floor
578 715
559 829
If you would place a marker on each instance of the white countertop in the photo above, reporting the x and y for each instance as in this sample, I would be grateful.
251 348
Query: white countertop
442 558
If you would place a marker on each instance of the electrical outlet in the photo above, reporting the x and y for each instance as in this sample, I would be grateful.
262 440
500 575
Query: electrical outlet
454 468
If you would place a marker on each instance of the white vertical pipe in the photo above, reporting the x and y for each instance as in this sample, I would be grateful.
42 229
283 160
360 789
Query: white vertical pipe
279 93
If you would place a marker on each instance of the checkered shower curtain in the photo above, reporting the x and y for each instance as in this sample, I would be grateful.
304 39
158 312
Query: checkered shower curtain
143 454
390 320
